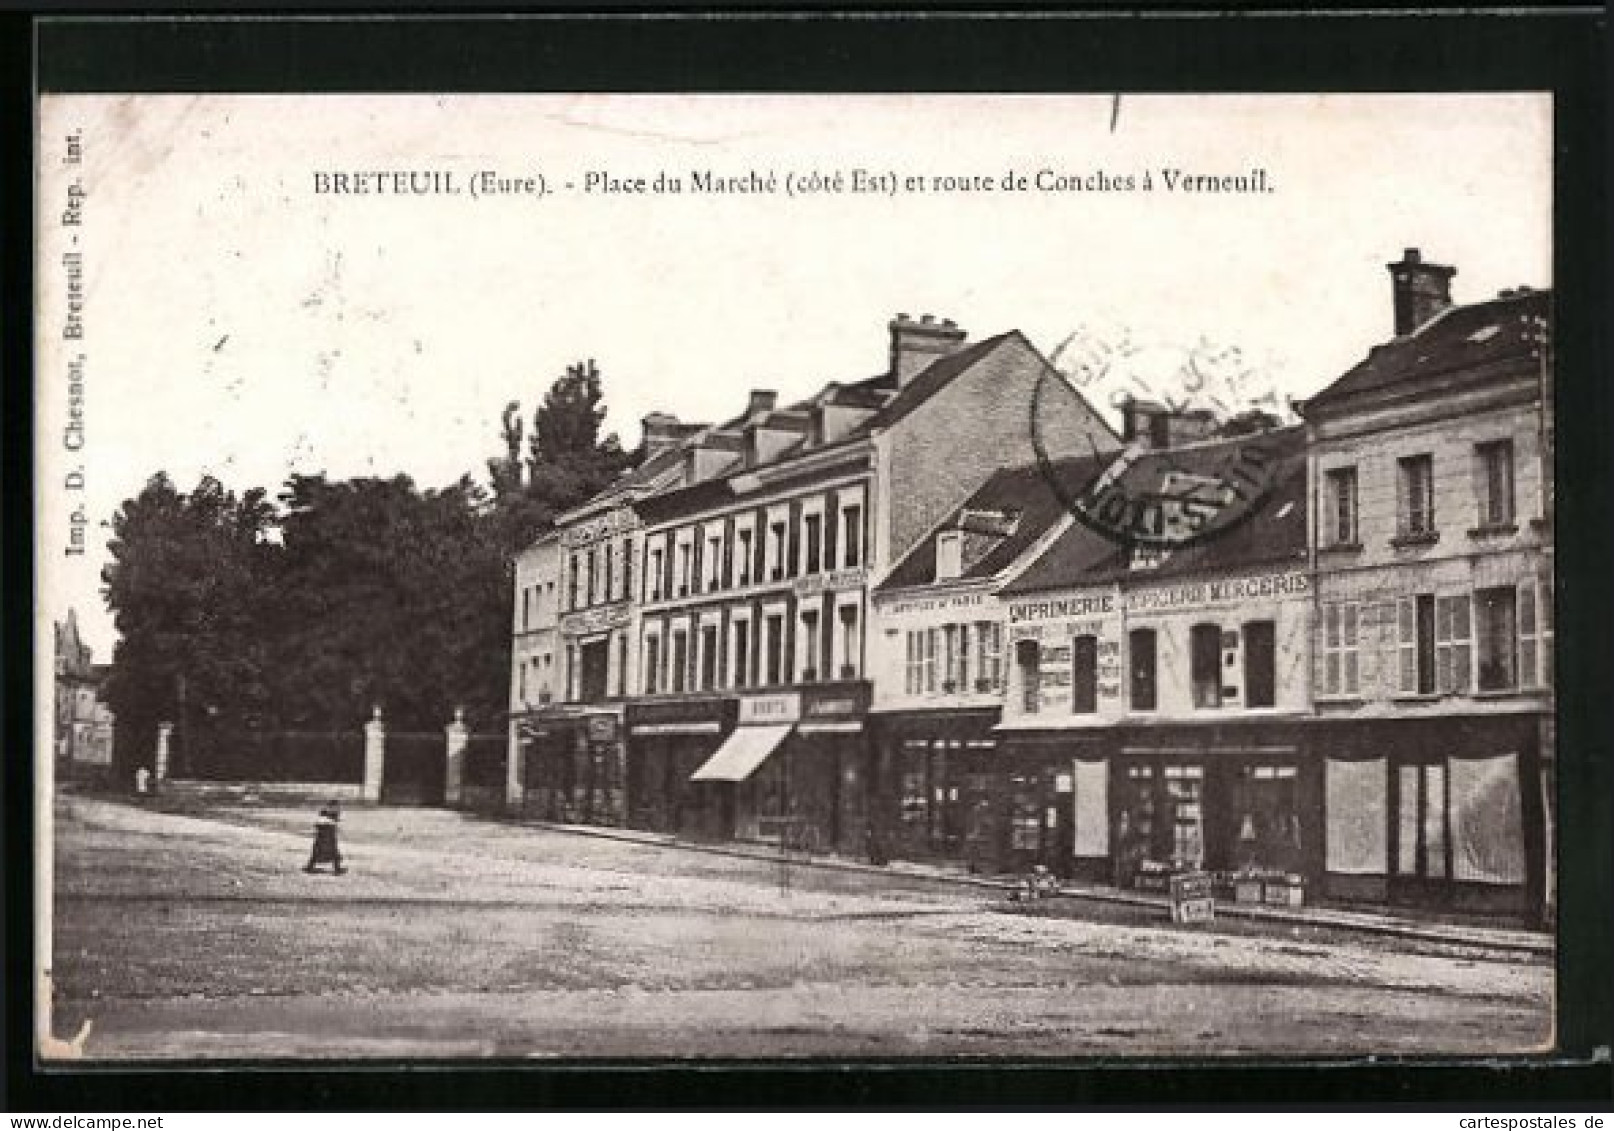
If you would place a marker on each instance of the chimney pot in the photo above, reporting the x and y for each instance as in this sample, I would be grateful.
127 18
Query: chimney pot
661 433
916 344
1420 290
761 401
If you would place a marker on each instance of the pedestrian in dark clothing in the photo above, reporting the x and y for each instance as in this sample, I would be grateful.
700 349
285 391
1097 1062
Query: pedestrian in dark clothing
325 847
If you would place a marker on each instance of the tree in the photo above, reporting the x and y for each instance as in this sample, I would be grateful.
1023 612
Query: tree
187 586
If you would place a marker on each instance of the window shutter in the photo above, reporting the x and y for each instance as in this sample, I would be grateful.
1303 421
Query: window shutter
1407 620
1349 645
1529 673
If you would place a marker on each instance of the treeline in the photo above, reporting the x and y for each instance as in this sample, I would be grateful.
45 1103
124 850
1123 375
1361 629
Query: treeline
302 611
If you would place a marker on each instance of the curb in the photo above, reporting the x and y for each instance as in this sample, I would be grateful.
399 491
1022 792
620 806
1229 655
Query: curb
1516 940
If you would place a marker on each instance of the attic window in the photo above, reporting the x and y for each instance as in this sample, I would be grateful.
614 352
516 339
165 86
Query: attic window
1485 333
949 555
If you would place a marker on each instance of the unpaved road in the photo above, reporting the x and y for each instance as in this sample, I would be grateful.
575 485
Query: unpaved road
196 936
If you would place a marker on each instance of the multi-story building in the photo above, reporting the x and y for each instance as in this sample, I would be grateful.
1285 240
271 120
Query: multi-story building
937 661
1157 695
83 731
751 693
1432 542
573 655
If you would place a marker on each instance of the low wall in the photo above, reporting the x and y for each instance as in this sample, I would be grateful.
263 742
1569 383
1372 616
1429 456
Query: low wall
274 791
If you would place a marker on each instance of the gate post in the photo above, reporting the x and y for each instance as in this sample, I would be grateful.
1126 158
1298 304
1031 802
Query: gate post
375 756
515 786
165 737
458 735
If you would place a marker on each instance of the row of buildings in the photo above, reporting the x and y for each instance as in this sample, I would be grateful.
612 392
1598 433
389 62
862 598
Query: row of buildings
883 620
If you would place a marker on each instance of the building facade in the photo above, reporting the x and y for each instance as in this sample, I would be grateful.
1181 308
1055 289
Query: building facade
83 723
1431 465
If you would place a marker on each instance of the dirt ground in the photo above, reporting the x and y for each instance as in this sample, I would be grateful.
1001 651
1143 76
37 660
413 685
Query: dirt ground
196 935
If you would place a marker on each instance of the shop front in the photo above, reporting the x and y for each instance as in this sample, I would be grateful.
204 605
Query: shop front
934 788
792 768
1442 813
1054 790
668 741
573 765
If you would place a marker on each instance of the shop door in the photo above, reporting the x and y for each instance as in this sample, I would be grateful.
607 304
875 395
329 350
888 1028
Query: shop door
1419 844
949 803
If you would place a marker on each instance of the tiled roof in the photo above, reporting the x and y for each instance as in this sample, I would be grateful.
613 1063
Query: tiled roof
1274 533
1481 335
1021 491
928 382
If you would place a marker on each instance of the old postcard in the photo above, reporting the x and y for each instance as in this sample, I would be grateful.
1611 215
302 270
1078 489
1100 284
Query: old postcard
712 577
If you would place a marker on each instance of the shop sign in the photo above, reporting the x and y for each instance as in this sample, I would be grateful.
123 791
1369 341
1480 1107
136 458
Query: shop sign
817 584
782 708
842 703
592 530
934 604
675 711
1062 608
1191 898
595 620
1192 594
602 728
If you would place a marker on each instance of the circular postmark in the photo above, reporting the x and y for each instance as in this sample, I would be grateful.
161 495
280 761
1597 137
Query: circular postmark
1204 440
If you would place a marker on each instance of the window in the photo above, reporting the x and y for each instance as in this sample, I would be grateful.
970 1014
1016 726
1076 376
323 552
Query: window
608 591
652 664
950 653
714 562
1028 658
1341 665
1453 645
680 661
627 570
1535 635
592 563
1141 653
1498 628
740 665
1205 664
572 577
852 535
1417 513
1495 473
708 657
1084 675
989 664
812 543
1341 512
526 607
774 655
522 671
776 550
810 641
654 574
1415 630
849 641
914 684
682 579
1260 664
742 556
622 664
929 660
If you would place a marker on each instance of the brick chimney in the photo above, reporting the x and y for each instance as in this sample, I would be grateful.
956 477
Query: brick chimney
1422 290
917 343
662 433
762 402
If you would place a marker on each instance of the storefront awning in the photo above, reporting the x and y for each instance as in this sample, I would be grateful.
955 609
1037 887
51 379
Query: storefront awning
741 753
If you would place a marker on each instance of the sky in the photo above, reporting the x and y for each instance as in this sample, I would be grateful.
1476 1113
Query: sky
241 324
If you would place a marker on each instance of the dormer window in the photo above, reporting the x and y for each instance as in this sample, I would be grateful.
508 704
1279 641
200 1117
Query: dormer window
949 554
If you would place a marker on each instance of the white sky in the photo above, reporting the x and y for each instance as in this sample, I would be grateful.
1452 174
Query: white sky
238 324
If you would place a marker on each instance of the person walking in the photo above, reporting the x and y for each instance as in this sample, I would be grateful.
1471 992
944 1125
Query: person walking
326 850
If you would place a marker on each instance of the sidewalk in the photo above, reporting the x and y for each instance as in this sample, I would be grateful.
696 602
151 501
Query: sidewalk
1370 922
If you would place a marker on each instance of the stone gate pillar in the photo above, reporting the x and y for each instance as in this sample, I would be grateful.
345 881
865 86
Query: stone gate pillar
375 756
458 735
515 771
165 740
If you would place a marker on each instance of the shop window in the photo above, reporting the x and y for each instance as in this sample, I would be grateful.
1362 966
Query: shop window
1141 655
852 536
1341 529
652 664
1184 786
1415 618
1260 664
1028 659
1494 472
1205 664
1416 514
1084 675
1496 614
774 649
1134 819
680 661
1487 829
1025 813
1357 838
